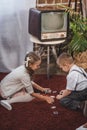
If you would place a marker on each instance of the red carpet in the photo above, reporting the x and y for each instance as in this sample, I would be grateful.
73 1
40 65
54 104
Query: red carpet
38 115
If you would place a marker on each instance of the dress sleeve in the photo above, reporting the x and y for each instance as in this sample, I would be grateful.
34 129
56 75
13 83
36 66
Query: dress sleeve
27 83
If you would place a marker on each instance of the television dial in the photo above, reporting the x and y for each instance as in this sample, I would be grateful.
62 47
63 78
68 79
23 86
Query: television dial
62 35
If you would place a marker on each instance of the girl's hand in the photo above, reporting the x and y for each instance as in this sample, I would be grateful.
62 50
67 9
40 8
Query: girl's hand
49 100
47 90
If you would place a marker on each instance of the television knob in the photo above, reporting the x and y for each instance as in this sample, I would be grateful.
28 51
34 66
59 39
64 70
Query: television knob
45 36
62 35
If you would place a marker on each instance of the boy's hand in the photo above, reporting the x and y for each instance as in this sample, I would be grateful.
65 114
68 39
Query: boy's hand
59 96
63 93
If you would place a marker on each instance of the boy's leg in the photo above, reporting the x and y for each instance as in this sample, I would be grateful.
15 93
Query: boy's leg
75 100
69 103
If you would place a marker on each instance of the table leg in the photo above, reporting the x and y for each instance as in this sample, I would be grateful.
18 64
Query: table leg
48 60
54 52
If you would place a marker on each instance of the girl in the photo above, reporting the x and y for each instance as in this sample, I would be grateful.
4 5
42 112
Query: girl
17 86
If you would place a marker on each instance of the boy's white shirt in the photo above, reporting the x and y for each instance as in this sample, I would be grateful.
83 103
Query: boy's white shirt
75 77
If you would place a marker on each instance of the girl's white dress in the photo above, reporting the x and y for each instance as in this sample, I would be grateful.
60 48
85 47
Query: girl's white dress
15 81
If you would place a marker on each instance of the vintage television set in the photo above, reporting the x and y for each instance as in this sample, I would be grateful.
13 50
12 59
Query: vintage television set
48 25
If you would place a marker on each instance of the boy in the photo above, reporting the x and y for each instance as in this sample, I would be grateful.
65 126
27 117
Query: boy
76 88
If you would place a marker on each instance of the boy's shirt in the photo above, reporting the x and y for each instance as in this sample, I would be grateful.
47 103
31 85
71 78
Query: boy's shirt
76 80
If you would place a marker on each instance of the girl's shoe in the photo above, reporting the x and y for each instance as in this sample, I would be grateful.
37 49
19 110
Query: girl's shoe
5 104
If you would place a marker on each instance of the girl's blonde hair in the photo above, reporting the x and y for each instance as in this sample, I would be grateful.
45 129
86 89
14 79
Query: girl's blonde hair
31 58
64 58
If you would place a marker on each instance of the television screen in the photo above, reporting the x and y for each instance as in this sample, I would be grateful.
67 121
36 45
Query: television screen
49 24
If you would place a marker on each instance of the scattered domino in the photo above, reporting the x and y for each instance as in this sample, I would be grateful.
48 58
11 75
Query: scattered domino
55 112
53 107
52 96
54 91
48 91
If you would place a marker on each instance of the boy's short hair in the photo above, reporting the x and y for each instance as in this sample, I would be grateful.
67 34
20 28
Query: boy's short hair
64 58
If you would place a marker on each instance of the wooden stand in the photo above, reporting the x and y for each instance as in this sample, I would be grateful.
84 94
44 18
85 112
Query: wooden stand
49 44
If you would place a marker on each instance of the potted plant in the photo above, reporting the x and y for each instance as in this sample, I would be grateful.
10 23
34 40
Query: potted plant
77 45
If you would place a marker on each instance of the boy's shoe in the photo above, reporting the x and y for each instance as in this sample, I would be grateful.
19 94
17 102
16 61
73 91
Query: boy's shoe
5 104
81 105
81 128
85 125
85 109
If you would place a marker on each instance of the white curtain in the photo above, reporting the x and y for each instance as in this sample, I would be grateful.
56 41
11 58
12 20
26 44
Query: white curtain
14 36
